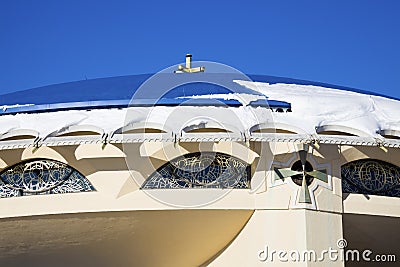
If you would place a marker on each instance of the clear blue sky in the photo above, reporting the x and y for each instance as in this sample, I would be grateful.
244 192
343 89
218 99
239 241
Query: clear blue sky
353 43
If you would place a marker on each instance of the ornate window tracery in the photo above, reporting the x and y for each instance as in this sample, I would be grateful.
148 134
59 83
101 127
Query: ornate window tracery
371 177
40 177
201 170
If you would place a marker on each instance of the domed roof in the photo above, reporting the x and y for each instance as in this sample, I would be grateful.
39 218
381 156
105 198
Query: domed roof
186 100
118 92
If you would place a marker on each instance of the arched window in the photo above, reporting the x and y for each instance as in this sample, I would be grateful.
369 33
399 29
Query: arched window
201 170
41 176
371 177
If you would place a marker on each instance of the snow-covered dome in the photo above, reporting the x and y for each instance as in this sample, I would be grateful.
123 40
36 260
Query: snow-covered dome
246 108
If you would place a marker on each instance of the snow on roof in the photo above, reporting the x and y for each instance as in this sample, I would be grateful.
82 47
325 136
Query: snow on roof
103 103
316 106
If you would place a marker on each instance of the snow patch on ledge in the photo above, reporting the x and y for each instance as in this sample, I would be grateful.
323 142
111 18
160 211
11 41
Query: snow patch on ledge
244 99
5 107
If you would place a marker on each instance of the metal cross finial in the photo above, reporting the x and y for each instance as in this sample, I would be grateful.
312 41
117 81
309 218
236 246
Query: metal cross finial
321 175
188 67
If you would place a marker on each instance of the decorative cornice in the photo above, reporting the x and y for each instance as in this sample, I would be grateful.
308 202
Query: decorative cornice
199 137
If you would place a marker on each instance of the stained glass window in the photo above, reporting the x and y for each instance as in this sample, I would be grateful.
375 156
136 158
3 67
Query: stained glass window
41 176
371 177
201 170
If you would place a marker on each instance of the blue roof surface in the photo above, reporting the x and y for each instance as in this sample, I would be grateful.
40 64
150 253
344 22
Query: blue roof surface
166 90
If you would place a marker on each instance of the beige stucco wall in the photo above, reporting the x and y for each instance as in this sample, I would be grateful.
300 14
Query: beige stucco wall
271 231
117 171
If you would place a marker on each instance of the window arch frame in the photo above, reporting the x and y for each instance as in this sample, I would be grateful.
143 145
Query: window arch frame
389 186
71 176
166 167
